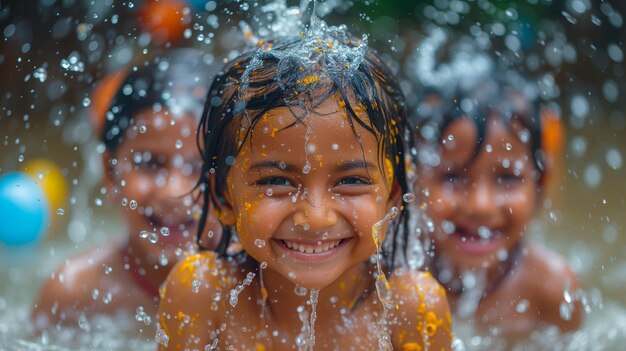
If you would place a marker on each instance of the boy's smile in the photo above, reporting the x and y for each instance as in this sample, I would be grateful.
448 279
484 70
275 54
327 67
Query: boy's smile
304 197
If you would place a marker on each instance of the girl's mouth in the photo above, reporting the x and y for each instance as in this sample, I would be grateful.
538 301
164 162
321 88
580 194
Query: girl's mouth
311 250
477 242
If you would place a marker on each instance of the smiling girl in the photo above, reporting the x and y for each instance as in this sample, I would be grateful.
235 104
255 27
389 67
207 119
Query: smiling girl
480 177
303 149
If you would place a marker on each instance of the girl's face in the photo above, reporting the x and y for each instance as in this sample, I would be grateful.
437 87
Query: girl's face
157 167
480 207
304 199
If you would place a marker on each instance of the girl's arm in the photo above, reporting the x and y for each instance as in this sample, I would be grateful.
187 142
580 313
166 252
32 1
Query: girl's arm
185 315
422 313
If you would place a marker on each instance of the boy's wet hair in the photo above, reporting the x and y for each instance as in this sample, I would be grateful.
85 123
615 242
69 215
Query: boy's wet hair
478 89
176 80
240 96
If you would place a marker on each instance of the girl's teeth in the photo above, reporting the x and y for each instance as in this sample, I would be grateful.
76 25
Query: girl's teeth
303 248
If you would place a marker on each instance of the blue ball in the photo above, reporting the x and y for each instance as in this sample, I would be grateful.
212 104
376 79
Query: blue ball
23 209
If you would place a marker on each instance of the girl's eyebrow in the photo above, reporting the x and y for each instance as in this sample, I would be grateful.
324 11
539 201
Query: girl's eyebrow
272 164
355 164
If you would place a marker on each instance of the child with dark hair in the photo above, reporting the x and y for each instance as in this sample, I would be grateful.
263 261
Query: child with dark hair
481 169
303 147
150 168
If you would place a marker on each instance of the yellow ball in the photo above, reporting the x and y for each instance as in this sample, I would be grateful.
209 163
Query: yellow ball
49 176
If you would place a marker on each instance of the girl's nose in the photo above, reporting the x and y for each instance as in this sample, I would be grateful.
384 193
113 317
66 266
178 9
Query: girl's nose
177 185
315 212
480 199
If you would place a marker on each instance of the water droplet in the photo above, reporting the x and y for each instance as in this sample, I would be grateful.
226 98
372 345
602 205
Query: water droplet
291 275
133 204
20 158
60 212
263 265
179 144
143 129
143 234
300 290
195 286
522 306
259 243
408 197
161 337
153 238
306 169
107 298
269 192
163 261
94 294
108 270
508 146
165 231
488 148
335 146
124 201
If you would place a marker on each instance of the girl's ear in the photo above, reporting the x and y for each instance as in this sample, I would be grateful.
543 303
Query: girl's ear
395 196
224 209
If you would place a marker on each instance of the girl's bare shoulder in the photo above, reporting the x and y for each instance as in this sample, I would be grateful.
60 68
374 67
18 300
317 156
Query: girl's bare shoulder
195 290
423 311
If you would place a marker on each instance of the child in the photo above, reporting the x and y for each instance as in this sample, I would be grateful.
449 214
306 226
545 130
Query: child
150 168
480 175
303 149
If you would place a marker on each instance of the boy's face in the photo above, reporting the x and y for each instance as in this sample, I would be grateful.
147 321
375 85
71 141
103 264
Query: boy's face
480 207
304 199
157 167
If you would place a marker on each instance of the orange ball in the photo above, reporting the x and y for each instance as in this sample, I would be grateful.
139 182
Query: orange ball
165 19
102 97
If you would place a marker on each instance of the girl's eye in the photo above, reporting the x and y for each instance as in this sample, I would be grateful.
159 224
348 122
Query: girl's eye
452 178
149 164
277 181
353 181
508 179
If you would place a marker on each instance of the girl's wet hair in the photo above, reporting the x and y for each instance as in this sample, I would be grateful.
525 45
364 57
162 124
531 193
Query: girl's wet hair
494 92
239 97
176 80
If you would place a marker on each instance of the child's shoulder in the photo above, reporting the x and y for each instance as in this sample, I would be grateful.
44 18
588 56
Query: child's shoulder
422 305
199 269
548 278
71 287
547 271
195 289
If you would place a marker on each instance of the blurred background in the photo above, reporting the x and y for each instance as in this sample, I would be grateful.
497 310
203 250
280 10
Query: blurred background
59 58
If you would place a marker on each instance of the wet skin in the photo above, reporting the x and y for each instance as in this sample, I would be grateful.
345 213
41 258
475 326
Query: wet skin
127 273
481 209
314 231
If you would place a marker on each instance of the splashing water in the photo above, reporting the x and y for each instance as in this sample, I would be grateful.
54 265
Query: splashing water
234 293
383 288
313 302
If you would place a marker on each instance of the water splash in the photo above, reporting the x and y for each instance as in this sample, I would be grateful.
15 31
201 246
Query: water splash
234 293
383 289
